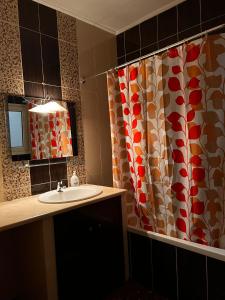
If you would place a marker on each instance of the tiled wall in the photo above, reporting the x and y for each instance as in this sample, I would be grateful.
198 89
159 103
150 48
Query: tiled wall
97 53
38 57
182 21
175 273
45 177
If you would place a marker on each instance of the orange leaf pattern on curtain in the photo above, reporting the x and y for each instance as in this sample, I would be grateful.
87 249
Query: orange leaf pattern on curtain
168 140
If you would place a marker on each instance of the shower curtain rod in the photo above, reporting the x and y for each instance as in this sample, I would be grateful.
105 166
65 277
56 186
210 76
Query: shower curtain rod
157 51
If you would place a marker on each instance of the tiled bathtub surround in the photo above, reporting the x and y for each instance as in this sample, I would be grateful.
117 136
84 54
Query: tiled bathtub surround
180 22
175 273
38 45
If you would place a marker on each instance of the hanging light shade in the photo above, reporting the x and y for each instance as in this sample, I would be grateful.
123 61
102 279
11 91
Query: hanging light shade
47 108
53 107
38 109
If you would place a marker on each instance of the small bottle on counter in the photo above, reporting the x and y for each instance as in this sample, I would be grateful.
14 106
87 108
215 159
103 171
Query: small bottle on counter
74 181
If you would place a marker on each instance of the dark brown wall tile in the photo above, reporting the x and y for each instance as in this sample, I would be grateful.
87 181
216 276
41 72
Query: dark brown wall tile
33 89
164 270
133 55
40 188
177 23
189 32
39 174
58 171
51 66
148 31
121 60
149 49
167 23
31 55
54 92
39 162
213 22
120 44
184 19
212 9
48 21
216 274
57 160
167 42
132 39
28 14
140 262
188 261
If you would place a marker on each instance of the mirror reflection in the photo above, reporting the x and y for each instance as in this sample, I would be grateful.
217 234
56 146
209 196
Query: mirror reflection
41 129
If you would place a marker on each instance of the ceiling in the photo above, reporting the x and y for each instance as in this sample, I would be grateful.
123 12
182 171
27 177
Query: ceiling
114 16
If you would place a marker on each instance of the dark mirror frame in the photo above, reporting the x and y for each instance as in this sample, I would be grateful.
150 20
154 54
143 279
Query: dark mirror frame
16 99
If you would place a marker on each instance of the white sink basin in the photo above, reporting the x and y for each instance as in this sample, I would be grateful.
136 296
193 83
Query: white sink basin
71 194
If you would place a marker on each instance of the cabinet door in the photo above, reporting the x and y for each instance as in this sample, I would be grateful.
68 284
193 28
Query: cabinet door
89 250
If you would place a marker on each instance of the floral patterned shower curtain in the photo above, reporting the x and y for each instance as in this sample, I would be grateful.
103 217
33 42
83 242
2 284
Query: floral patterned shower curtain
167 117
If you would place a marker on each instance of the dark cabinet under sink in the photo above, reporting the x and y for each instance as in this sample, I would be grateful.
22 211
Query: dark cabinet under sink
89 251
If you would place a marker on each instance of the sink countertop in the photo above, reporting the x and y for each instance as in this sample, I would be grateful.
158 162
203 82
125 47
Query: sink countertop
26 210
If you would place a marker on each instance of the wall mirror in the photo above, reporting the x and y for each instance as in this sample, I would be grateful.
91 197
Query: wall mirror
41 129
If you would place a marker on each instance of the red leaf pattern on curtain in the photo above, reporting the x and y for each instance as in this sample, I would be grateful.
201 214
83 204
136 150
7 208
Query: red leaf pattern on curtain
170 122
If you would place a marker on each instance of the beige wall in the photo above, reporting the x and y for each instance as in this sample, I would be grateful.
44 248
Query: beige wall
97 53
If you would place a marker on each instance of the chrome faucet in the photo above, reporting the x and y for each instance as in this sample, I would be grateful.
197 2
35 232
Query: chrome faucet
60 186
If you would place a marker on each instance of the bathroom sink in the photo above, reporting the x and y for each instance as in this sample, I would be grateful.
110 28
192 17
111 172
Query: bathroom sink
71 194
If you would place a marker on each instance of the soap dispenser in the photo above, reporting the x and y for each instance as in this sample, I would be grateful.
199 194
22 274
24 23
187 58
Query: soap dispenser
74 181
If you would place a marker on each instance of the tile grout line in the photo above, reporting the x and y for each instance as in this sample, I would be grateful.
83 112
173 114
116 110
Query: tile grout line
47 182
41 83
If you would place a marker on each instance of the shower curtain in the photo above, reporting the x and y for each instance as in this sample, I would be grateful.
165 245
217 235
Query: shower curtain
167 116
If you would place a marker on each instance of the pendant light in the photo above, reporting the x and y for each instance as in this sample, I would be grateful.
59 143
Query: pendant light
48 107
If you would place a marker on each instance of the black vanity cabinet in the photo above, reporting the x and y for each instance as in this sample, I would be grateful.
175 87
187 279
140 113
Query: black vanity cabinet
89 250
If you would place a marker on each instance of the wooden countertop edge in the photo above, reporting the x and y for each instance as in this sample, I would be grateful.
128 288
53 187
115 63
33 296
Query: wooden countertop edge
58 208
